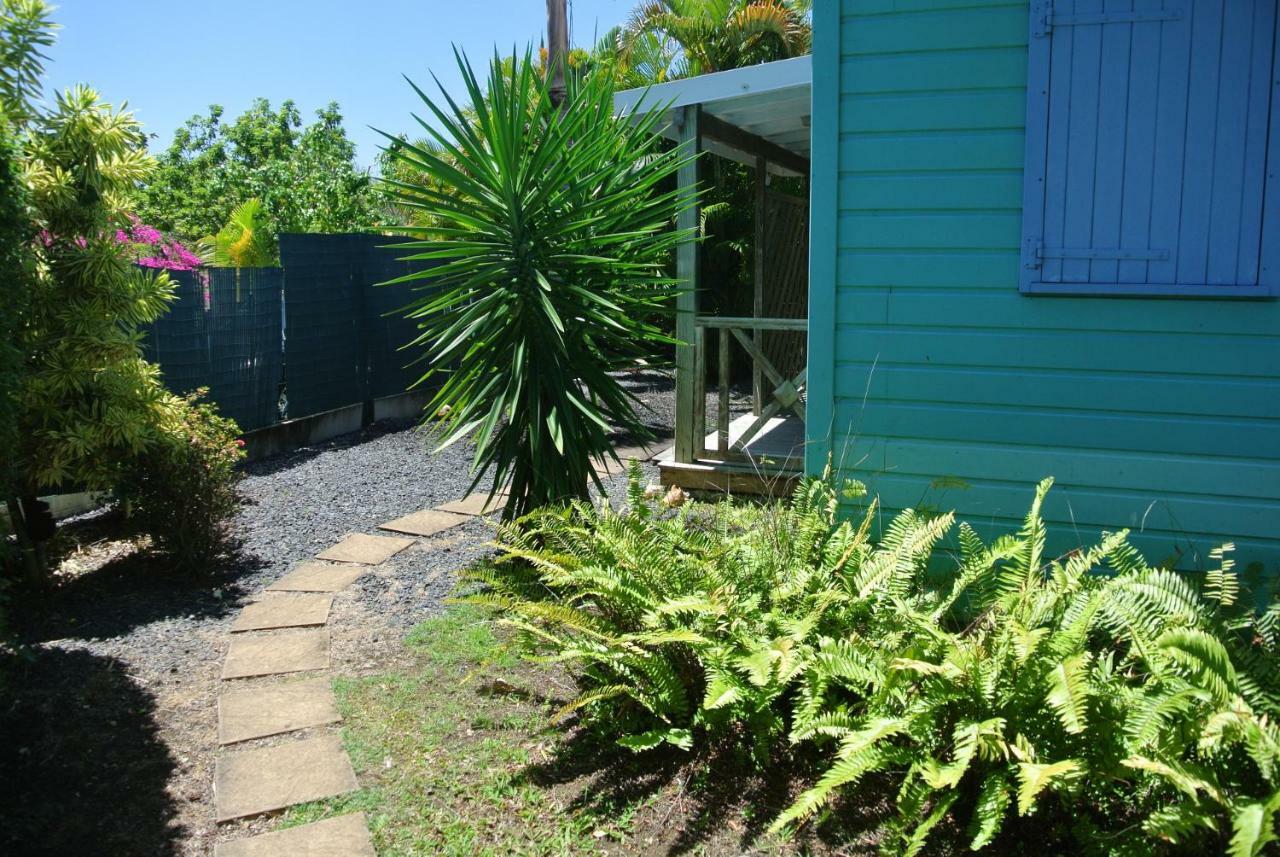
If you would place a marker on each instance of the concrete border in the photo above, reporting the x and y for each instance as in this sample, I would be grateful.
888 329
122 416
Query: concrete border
326 425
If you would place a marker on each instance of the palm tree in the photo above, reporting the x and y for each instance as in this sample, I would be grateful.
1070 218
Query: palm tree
702 36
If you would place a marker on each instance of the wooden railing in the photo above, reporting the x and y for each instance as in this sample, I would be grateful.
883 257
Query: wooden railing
778 392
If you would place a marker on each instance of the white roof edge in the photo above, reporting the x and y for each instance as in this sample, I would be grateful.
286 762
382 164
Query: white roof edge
719 86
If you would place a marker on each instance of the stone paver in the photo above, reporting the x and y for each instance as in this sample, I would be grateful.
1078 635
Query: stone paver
250 782
262 711
312 576
285 652
283 611
343 836
428 522
365 549
474 504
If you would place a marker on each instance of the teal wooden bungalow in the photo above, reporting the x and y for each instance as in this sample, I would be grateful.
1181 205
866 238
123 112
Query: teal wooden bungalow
1043 239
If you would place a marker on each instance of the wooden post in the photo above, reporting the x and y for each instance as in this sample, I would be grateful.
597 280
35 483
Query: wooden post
722 411
688 434
757 306
557 50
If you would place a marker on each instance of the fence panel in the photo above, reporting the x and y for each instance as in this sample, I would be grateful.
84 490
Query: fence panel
322 323
392 367
344 333
223 332
338 343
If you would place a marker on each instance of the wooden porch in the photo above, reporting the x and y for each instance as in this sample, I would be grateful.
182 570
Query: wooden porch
757 452
758 116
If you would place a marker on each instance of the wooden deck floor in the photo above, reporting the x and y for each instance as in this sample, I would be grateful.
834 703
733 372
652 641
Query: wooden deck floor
777 460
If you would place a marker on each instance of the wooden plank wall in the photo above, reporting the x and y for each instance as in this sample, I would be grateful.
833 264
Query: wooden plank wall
929 370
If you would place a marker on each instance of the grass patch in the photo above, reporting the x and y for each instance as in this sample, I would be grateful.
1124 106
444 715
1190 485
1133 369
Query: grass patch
456 756
442 751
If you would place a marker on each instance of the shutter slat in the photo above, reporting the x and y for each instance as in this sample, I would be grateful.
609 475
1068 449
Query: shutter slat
1111 254
1082 20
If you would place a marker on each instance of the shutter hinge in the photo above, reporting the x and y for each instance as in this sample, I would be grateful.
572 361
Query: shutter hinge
1042 18
1031 250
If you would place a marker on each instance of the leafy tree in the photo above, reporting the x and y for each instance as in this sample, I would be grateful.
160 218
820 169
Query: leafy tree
89 400
703 36
304 177
15 233
25 28
552 248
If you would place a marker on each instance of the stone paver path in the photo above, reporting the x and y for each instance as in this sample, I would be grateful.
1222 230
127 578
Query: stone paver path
259 712
428 522
250 782
312 576
341 836
284 611
271 638
284 652
365 549
474 504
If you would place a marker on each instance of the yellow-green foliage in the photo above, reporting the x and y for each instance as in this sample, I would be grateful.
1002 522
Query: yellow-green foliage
89 400
1130 710
244 241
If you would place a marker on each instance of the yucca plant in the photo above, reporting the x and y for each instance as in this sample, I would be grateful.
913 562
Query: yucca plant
552 249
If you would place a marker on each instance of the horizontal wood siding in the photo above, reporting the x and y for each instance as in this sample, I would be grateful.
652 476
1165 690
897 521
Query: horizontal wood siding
948 387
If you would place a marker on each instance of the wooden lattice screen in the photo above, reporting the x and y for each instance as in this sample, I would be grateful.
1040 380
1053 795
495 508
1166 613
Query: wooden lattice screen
786 277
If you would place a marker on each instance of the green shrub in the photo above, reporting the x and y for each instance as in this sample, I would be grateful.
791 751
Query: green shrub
1122 698
1127 709
699 619
184 492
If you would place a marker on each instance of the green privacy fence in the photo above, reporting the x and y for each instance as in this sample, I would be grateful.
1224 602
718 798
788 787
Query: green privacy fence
223 332
280 343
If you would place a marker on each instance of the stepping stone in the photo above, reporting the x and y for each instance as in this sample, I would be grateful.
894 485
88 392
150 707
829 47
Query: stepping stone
314 576
251 782
286 652
273 709
343 836
283 611
428 522
365 549
474 504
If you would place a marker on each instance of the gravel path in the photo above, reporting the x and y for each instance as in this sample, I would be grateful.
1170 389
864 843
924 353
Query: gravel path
118 695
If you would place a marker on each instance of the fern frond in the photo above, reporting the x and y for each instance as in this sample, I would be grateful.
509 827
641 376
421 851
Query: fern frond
1035 777
1069 693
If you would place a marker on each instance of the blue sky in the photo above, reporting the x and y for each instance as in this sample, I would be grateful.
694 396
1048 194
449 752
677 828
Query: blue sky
172 59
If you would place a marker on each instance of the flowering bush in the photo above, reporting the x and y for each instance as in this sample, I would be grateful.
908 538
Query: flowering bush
184 490
152 249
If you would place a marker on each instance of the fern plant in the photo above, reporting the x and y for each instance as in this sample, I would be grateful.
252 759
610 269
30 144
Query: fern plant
1028 682
1126 709
698 620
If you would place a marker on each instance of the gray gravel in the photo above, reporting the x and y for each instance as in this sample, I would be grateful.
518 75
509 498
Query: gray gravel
304 501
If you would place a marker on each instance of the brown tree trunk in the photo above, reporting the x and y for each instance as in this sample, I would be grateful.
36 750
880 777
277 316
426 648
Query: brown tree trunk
557 49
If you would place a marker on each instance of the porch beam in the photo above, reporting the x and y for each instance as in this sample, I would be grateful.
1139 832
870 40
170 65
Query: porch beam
745 141
688 432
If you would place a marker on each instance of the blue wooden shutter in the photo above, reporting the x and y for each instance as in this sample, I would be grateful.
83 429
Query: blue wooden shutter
1148 127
